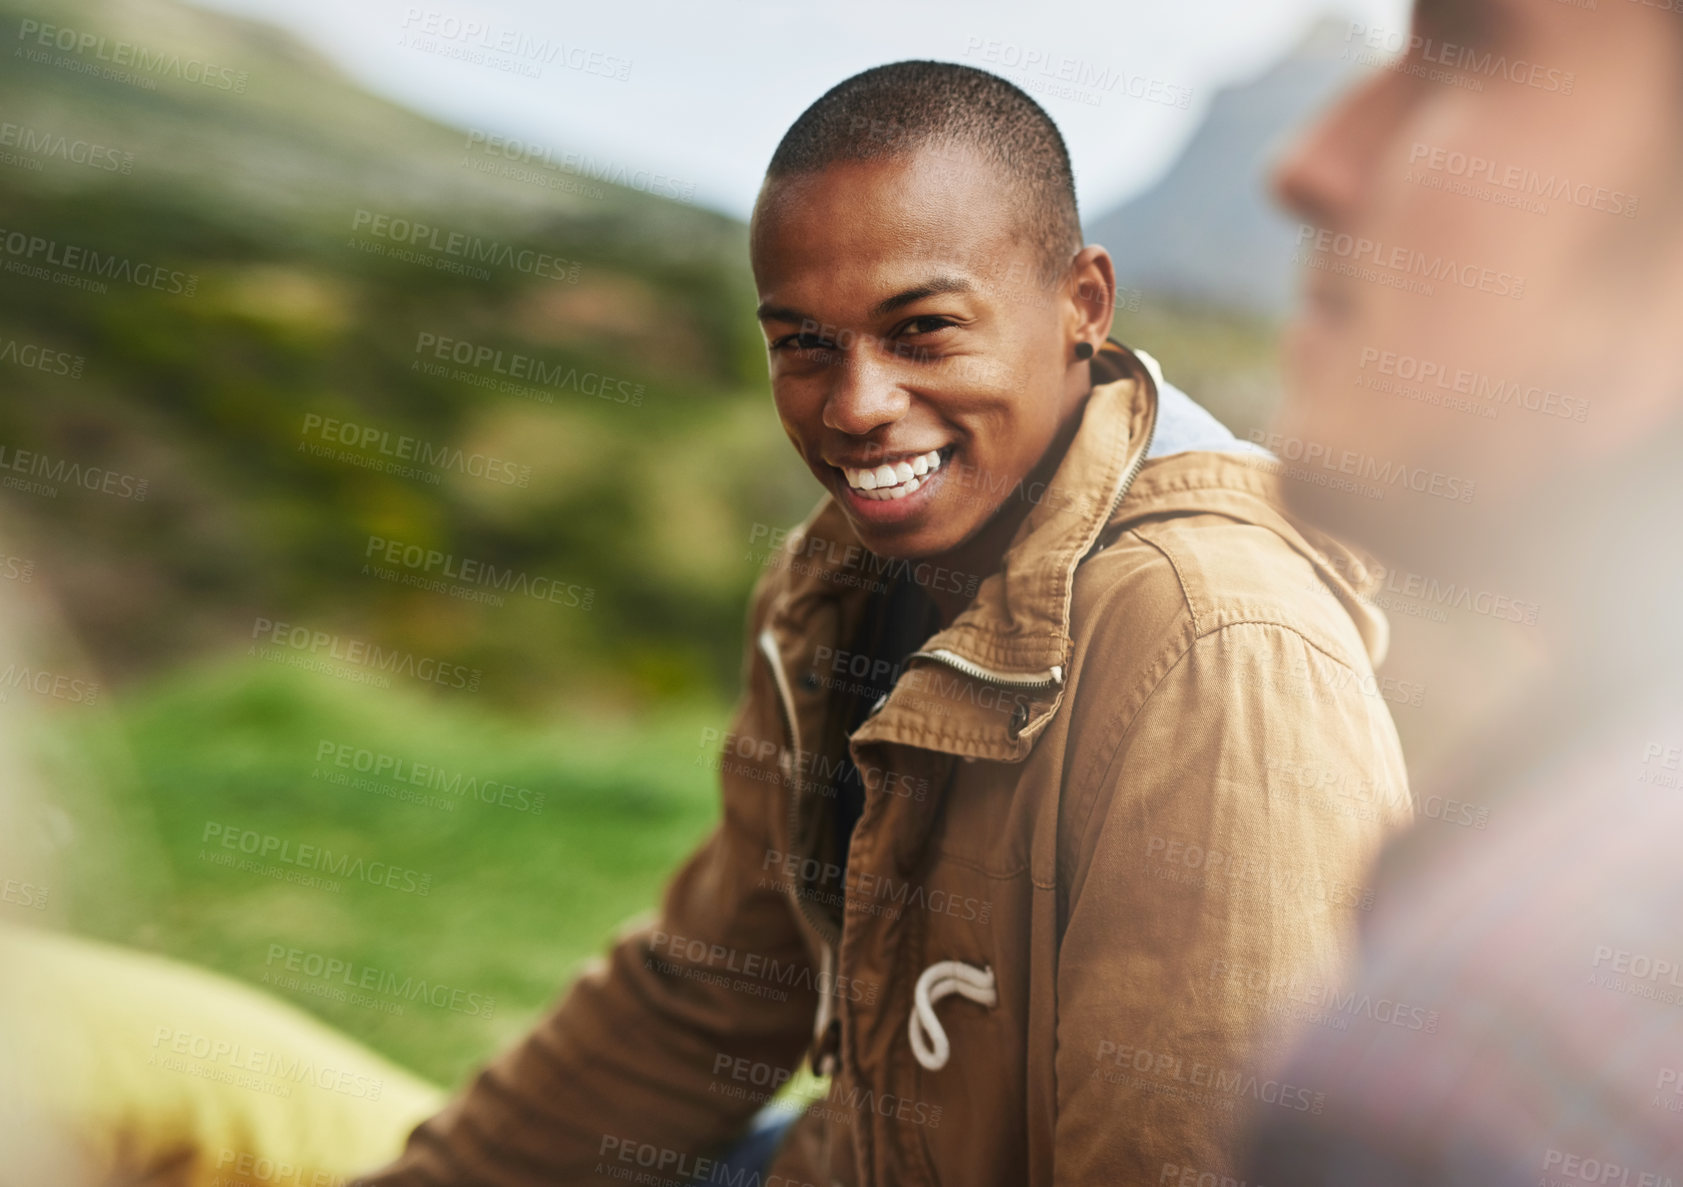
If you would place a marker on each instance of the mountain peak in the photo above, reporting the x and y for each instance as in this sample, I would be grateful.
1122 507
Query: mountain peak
1207 231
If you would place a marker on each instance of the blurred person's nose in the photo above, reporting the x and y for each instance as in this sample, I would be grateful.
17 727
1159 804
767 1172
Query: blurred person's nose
865 392
1324 176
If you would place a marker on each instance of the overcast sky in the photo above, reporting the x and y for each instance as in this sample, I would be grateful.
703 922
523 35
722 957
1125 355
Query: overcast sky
701 90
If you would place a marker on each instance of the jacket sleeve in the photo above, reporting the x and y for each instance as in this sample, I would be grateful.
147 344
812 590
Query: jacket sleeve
1219 872
640 1067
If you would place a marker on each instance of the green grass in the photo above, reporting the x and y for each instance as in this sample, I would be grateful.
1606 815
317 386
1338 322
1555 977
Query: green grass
517 898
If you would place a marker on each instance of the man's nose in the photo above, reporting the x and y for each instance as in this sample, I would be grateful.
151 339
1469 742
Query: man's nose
1322 176
864 394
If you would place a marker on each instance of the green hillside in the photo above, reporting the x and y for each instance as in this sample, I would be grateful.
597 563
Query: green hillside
628 447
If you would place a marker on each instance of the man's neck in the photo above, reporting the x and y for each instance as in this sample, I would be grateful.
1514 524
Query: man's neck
983 553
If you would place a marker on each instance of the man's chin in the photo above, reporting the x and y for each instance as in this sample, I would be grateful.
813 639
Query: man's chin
911 547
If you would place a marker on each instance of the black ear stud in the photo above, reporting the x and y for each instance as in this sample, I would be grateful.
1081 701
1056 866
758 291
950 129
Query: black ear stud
1083 351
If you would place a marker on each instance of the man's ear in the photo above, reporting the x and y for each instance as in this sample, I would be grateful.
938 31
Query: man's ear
1092 292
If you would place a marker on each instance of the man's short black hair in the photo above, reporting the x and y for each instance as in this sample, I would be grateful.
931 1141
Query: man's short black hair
904 107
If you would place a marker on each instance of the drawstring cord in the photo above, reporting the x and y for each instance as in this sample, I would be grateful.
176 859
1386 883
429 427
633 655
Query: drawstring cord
929 1040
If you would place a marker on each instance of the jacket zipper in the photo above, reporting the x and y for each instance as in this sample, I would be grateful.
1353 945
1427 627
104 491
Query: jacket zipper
786 703
1139 461
828 936
1055 674
1046 679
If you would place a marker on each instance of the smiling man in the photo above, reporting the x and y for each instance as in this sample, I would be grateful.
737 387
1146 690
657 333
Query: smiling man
1026 798
882 251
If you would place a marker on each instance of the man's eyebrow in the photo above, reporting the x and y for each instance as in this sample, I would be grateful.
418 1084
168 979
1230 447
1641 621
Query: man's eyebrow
929 288
769 312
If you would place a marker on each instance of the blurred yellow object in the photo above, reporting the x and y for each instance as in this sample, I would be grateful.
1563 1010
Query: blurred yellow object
117 1066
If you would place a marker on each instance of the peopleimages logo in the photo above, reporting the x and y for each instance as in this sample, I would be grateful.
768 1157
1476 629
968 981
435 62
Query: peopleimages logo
1217 1082
793 543
1036 68
400 447
1357 250
485 789
1582 1169
422 242
31 253
34 357
41 142
1455 58
427 563
1273 983
23 894
139 58
366 979
472 40
260 1168
580 165
318 646
514 366
42 466
273 1072
1348 463
42 683
1486 391
314 858
1523 181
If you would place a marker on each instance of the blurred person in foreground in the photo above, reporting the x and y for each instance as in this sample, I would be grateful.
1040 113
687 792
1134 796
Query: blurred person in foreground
1016 782
1548 945
120 1067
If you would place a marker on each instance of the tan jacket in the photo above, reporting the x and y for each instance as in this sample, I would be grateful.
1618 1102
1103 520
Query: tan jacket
1117 812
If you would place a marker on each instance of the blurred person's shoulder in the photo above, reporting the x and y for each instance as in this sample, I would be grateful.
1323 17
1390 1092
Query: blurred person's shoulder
1529 919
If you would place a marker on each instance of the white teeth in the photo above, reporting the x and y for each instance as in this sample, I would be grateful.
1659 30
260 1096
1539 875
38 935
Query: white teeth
896 480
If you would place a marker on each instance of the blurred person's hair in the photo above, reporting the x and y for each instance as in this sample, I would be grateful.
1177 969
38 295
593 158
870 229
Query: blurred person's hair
906 107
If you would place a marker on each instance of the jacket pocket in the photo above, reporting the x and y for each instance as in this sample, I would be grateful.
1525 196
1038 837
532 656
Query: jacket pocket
985 821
